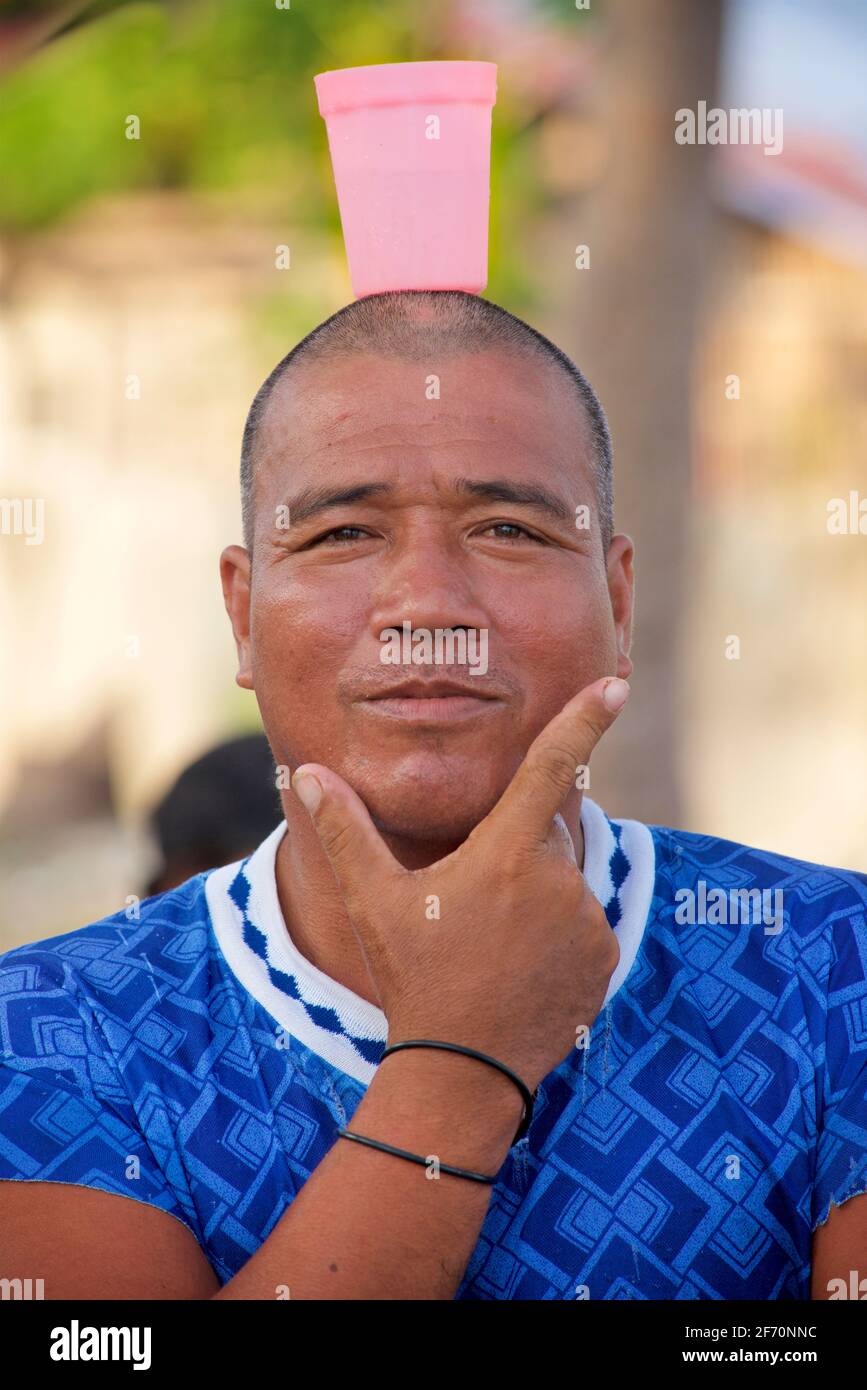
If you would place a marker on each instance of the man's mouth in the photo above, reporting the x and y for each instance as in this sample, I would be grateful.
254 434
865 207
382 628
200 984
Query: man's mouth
432 701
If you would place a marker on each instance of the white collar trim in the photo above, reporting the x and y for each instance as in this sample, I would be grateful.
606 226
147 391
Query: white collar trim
334 1022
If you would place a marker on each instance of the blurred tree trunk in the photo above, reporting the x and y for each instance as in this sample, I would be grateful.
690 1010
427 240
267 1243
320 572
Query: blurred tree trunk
630 321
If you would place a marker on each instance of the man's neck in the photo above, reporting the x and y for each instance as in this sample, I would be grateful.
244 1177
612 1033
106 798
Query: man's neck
313 908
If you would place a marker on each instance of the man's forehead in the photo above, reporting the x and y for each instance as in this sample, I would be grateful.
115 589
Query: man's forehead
486 392
366 429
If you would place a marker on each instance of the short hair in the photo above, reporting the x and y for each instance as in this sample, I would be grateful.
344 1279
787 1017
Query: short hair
415 325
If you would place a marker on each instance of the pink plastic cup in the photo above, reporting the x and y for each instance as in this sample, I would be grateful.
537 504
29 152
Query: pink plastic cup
411 151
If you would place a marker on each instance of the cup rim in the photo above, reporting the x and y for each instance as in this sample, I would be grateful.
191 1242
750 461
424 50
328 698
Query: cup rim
397 84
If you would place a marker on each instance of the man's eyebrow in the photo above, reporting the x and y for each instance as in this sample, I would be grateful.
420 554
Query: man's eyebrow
312 500
520 494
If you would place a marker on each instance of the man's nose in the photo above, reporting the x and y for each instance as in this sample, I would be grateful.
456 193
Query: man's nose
428 584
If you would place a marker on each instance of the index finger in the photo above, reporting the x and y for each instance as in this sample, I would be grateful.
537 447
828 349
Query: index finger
547 774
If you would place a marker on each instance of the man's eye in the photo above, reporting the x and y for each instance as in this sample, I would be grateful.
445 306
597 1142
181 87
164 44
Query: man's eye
341 535
517 532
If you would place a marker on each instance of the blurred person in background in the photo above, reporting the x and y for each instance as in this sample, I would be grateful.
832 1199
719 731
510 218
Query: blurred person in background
217 810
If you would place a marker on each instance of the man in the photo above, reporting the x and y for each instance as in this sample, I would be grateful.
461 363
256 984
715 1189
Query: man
690 1012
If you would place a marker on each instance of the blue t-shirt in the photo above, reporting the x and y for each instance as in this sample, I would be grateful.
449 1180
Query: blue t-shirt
185 1054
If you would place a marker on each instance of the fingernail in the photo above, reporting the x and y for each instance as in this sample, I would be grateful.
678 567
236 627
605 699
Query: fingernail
308 790
615 693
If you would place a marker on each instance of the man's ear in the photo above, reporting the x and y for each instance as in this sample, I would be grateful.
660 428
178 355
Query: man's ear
235 576
621 588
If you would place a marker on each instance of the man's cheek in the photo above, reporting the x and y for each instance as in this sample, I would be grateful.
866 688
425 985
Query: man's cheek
555 685
294 668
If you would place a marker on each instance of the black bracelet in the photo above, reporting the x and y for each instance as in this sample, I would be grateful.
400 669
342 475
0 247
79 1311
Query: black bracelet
528 1097
416 1158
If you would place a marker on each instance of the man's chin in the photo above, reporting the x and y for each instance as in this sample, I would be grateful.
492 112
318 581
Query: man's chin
423 826
432 820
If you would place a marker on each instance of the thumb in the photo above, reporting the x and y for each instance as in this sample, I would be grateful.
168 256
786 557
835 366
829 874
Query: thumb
547 774
356 851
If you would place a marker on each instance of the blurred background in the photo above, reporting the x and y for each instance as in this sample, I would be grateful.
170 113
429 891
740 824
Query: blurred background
154 160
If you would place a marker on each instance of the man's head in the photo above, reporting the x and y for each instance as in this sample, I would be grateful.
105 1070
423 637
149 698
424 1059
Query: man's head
424 457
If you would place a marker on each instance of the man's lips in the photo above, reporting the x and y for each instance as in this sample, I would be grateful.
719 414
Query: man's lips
432 701
433 689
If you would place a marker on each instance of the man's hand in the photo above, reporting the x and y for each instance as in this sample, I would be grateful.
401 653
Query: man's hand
520 954
840 1250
